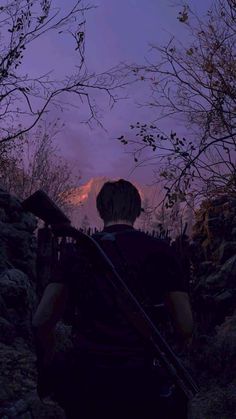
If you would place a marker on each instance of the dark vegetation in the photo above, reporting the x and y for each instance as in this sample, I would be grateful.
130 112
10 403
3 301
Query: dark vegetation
193 84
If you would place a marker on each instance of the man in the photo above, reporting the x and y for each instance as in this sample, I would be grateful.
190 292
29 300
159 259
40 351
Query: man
111 369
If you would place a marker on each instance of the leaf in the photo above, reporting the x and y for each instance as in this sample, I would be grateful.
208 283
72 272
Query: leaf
184 154
189 51
183 17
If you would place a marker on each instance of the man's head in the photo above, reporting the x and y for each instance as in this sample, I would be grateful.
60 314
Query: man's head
119 200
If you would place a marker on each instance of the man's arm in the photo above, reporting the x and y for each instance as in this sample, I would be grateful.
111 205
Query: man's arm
48 313
178 305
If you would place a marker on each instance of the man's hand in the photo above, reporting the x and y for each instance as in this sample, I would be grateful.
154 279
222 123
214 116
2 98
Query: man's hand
45 347
51 307
178 305
48 313
189 342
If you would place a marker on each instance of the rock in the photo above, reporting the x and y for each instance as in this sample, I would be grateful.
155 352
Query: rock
26 415
233 202
3 215
16 290
18 301
7 331
18 248
226 251
19 407
224 302
225 348
15 204
229 270
216 280
205 267
4 259
17 364
3 309
27 222
223 278
224 296
9 232
214 402
6 394
12 206
4 199
47 410
233 234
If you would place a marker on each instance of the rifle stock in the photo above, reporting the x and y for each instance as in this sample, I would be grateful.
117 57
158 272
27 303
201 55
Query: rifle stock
44 208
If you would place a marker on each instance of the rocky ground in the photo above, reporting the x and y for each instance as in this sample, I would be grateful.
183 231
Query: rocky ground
213 294
18 301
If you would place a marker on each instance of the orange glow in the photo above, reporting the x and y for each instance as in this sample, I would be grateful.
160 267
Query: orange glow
80 194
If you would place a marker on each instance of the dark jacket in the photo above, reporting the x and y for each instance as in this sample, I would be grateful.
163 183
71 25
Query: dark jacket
150 269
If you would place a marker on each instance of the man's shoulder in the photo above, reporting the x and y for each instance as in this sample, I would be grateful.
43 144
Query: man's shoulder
136 239
132 232
153 241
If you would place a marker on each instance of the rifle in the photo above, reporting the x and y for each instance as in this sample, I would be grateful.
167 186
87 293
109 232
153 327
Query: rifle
43 207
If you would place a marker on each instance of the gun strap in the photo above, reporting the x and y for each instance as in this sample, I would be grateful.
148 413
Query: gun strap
107 236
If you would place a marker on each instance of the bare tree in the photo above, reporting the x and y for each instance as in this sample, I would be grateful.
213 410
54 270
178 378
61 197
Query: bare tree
146 216
35 163
172 220
194 83
161 220
197 79
27 98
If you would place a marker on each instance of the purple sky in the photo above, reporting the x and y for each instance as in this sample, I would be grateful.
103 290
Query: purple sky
116 31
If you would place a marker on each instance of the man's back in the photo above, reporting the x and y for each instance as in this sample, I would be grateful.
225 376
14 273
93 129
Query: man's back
149 269
114 361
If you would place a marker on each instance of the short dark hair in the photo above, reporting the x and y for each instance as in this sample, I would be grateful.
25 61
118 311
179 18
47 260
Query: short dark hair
118 200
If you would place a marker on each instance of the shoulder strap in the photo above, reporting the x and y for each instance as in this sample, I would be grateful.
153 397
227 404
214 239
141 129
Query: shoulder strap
111 236
108 235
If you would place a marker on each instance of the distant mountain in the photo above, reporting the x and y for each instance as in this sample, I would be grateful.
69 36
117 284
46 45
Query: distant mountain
83 201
